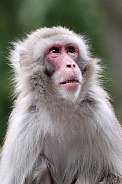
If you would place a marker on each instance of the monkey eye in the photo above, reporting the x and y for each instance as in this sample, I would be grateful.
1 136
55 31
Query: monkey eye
54 50
71 49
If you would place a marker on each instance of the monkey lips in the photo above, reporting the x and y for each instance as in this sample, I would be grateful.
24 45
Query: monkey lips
70 84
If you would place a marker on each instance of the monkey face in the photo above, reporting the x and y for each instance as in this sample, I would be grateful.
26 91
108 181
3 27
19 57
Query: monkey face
61 60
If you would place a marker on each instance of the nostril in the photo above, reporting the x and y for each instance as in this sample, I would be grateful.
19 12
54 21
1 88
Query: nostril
71 65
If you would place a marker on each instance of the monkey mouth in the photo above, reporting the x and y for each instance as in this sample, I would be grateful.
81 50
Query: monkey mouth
70 81
70 84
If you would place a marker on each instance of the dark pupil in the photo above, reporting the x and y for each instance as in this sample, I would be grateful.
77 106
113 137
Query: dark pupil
54 50
71 49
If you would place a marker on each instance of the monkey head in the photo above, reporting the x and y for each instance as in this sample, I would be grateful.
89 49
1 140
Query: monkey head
63 55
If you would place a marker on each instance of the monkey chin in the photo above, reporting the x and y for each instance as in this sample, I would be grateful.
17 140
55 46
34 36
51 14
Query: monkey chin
70 91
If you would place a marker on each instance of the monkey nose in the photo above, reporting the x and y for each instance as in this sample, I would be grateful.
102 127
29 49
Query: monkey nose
70 65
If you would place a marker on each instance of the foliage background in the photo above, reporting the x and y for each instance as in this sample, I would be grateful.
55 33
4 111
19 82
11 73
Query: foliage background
99 20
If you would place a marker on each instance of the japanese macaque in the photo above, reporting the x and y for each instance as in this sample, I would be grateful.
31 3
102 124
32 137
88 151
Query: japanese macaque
62 129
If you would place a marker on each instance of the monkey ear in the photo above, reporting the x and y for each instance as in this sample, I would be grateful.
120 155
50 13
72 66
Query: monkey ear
19 56
92 69
24 58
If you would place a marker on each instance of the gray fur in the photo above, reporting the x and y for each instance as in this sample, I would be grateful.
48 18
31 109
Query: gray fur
52 140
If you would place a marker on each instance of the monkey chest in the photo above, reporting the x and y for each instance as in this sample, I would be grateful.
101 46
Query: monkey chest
64 157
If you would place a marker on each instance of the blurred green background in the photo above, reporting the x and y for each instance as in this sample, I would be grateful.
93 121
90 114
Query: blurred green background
99 20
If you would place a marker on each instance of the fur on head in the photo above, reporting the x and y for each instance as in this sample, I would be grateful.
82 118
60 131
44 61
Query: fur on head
27 57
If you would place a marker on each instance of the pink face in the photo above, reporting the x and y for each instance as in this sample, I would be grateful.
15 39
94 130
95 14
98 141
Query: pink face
62 59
